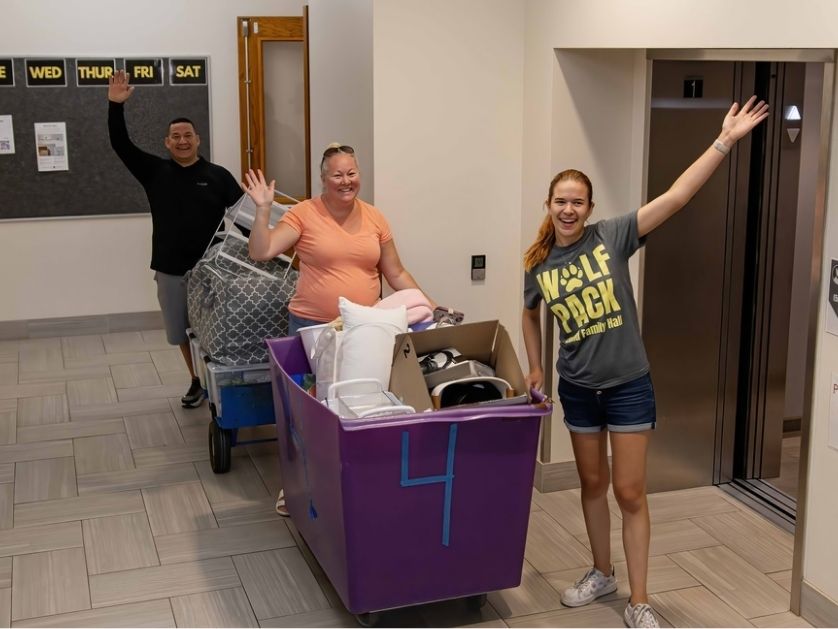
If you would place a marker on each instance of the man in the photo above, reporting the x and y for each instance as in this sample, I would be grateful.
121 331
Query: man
187 196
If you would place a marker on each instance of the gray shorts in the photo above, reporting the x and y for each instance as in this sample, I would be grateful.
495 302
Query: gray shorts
171 293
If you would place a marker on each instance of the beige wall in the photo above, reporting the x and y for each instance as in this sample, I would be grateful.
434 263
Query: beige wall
448 114
341 84
71 267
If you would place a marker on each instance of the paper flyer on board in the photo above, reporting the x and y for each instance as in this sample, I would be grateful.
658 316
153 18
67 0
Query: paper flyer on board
51 145
7 135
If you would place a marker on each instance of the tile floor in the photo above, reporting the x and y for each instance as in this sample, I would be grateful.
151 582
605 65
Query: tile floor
111 516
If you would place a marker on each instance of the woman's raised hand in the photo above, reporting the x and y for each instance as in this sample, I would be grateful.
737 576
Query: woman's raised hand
258 189
739 122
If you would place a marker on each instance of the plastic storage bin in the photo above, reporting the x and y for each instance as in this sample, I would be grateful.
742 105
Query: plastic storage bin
403 510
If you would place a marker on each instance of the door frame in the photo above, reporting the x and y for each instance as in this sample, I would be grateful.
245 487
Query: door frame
827 58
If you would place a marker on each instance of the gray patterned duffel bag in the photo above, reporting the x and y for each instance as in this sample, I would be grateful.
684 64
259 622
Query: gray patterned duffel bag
233 309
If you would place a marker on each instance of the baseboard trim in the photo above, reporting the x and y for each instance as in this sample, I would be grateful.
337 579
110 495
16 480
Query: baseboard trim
555 476
72 326
816 608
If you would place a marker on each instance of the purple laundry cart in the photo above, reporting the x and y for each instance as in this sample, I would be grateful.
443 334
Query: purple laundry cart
406 509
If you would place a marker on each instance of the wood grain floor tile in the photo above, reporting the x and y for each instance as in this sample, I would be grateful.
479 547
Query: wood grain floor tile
7 473
118 409
53 582
242 482
782 578
696 607
550 547
136 479
667 537
8 422
758 541
134 375
118 342
222 542
41 357
106 360
47 479
169 360
169 455
154 430
319 618
199 416
8 372
81 508
23 541
607 614
120 542
221 608
735 581
279 583
533 596
268 467
90 392
161 392
145 584
679 505
245 512
566 508
7 505
147 614
35 451
14 391
6 607
70 430
5 572
786 619
38 411
178 508
103 453
82 346
55 375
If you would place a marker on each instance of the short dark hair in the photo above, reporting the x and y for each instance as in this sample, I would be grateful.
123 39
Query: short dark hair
178 120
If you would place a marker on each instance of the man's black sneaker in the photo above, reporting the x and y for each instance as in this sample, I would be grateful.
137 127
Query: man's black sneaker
194 396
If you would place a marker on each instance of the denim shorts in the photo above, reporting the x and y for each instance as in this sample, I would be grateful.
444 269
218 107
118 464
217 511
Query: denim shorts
295 323
627 407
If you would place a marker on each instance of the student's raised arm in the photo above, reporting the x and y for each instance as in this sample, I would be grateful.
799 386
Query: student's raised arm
736 125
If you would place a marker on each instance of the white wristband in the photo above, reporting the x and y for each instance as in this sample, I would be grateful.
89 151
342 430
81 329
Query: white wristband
721 147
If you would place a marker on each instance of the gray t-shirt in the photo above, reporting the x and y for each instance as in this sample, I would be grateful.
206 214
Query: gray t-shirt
588 288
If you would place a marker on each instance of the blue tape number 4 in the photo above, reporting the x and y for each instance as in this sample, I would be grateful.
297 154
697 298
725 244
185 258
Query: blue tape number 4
447 478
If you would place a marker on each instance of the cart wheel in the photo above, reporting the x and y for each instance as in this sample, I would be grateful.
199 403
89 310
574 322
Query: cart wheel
368 619
477 602
220 442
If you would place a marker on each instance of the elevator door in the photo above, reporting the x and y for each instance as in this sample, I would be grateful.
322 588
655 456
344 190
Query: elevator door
717 277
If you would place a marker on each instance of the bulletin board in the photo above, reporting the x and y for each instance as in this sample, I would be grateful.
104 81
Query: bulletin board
74 91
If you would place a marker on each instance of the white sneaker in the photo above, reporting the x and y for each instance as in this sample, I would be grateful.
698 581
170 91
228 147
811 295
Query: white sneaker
640 615
590 587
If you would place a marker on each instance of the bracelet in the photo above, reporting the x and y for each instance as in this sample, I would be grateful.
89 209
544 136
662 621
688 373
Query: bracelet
721 147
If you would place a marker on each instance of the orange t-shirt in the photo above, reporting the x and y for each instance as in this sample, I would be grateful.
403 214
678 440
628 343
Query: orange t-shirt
333 262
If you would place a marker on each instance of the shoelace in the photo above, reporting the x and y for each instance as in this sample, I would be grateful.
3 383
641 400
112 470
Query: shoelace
643 616
588 582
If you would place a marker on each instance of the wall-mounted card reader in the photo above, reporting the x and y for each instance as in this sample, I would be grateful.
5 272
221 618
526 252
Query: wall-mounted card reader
478 268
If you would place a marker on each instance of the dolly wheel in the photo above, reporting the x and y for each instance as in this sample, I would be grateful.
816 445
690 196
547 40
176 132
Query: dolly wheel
220 442
368 619
477 602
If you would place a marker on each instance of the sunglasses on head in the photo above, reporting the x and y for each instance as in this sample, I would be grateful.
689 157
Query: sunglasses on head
338 149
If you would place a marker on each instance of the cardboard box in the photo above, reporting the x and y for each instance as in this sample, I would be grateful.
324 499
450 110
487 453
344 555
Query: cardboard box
486 341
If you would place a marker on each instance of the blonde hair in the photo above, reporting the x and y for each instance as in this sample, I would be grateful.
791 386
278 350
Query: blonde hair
333 149
546 238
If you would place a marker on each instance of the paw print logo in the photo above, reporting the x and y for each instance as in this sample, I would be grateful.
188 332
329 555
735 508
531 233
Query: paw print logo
571 278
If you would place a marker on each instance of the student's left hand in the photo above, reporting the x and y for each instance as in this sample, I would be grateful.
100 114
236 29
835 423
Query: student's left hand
739 122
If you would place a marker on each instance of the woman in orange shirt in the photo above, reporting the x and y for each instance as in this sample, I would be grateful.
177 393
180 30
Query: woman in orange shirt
343 243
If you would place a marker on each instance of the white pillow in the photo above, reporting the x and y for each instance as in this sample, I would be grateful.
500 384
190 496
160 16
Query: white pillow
354 314
366 349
